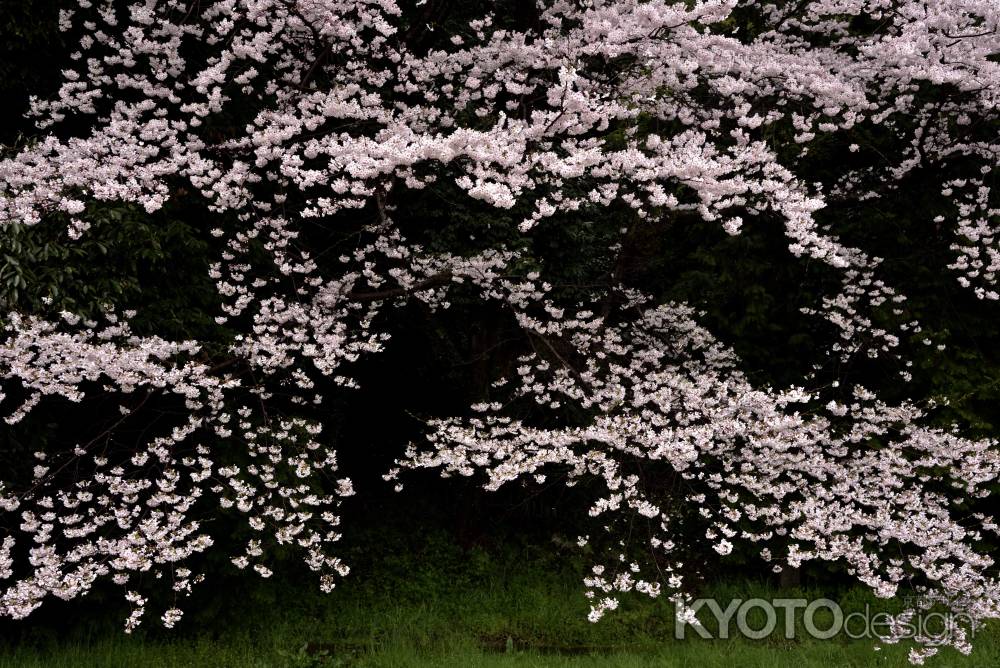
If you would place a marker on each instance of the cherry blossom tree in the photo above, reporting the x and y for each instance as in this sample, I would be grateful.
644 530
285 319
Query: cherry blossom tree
281 115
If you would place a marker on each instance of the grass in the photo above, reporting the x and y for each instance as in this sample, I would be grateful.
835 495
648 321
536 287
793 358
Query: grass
468 610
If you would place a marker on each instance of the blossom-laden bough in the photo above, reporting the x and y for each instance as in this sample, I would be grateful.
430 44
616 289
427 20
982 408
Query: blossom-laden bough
284 113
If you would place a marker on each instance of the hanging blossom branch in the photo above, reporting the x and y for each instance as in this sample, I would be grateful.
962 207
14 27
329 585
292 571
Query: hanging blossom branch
283 113
666 399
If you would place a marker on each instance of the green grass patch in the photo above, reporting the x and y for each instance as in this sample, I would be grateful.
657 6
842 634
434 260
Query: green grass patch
467 609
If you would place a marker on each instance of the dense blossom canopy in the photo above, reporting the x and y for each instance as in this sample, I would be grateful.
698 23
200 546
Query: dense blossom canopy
283 114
